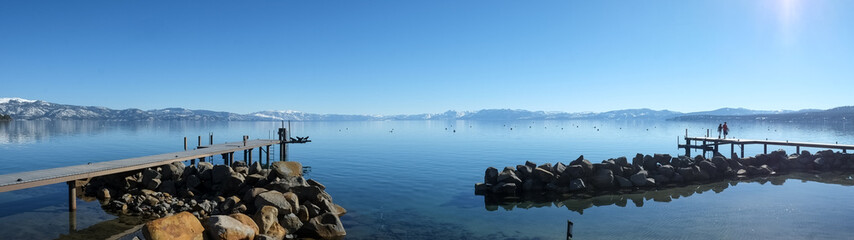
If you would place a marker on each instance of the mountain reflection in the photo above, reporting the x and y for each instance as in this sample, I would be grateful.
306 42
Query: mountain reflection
20 132
579 202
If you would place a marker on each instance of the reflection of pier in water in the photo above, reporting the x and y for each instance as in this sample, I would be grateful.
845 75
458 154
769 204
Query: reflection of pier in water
579 202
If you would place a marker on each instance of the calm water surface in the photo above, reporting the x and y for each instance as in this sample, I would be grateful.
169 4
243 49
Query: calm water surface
414 179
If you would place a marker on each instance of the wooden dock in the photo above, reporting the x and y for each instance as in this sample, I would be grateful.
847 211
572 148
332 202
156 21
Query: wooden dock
76 176
712 144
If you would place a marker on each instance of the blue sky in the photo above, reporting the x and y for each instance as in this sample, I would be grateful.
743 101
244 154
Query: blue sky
391 57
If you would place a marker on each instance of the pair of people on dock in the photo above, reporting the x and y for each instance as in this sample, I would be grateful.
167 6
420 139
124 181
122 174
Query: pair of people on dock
723 128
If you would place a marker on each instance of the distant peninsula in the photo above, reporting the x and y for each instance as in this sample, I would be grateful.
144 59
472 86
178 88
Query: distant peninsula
24 109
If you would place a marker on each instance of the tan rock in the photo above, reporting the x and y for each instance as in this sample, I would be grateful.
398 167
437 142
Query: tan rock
223 227
287 169
339 210
327 226
292 199
181 226
243 218
267 221
303 213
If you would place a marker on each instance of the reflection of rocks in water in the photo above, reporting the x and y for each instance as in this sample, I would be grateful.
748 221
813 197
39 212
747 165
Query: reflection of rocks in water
579 202
105 229
408 224
659 178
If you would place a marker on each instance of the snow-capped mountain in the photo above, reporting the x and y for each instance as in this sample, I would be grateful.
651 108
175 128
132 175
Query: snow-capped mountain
24 109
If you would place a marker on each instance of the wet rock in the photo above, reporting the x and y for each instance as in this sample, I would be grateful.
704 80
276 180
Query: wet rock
312 182
508 176
666 170
639 178
623 182
181 226
661 159
491 175
558 168
287 169
524 172
222 227
577 184
586 165
603 179
505 189
326 226
573 171
660 179
482 188
544 175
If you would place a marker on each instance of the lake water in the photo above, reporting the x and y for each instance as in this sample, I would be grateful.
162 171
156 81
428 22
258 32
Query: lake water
415 179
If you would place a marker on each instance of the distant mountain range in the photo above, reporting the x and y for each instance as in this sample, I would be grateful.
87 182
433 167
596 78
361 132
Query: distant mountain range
23 109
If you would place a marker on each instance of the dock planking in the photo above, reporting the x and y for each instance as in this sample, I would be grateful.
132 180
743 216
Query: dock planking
22 180
711 144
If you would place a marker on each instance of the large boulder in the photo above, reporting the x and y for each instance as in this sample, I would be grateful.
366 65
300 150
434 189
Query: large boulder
508 176
603 178
291 222
273 198
151 179
223 227
491 175
505 188
623 182
666 170
661 159
544 175
577 184
573 171
558 168
639 178
181 226
708 170
326 226
267 219
246 220
524 172
287 169
586 165
220 173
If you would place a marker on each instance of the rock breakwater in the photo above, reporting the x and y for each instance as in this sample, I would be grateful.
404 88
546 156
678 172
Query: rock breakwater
657 171
229 202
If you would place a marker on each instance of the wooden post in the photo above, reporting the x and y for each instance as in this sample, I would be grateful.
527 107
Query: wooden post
185 143
249 160
245 156
765 148
268 155
687 147
704 146
200 141
742 150
731 148
798 149
568 229
72 195
211 138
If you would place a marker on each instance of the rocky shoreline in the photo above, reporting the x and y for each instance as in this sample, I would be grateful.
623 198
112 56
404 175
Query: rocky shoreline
659 171
207 201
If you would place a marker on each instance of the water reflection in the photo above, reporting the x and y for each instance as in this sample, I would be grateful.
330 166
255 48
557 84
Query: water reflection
24 132
579 202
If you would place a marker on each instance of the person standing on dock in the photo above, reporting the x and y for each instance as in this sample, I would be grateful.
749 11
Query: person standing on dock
726 130
720 128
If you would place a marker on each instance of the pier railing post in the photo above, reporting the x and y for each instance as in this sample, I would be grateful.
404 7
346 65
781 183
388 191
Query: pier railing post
185 143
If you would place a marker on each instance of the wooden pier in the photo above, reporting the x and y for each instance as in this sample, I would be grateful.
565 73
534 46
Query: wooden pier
712 144
76 176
